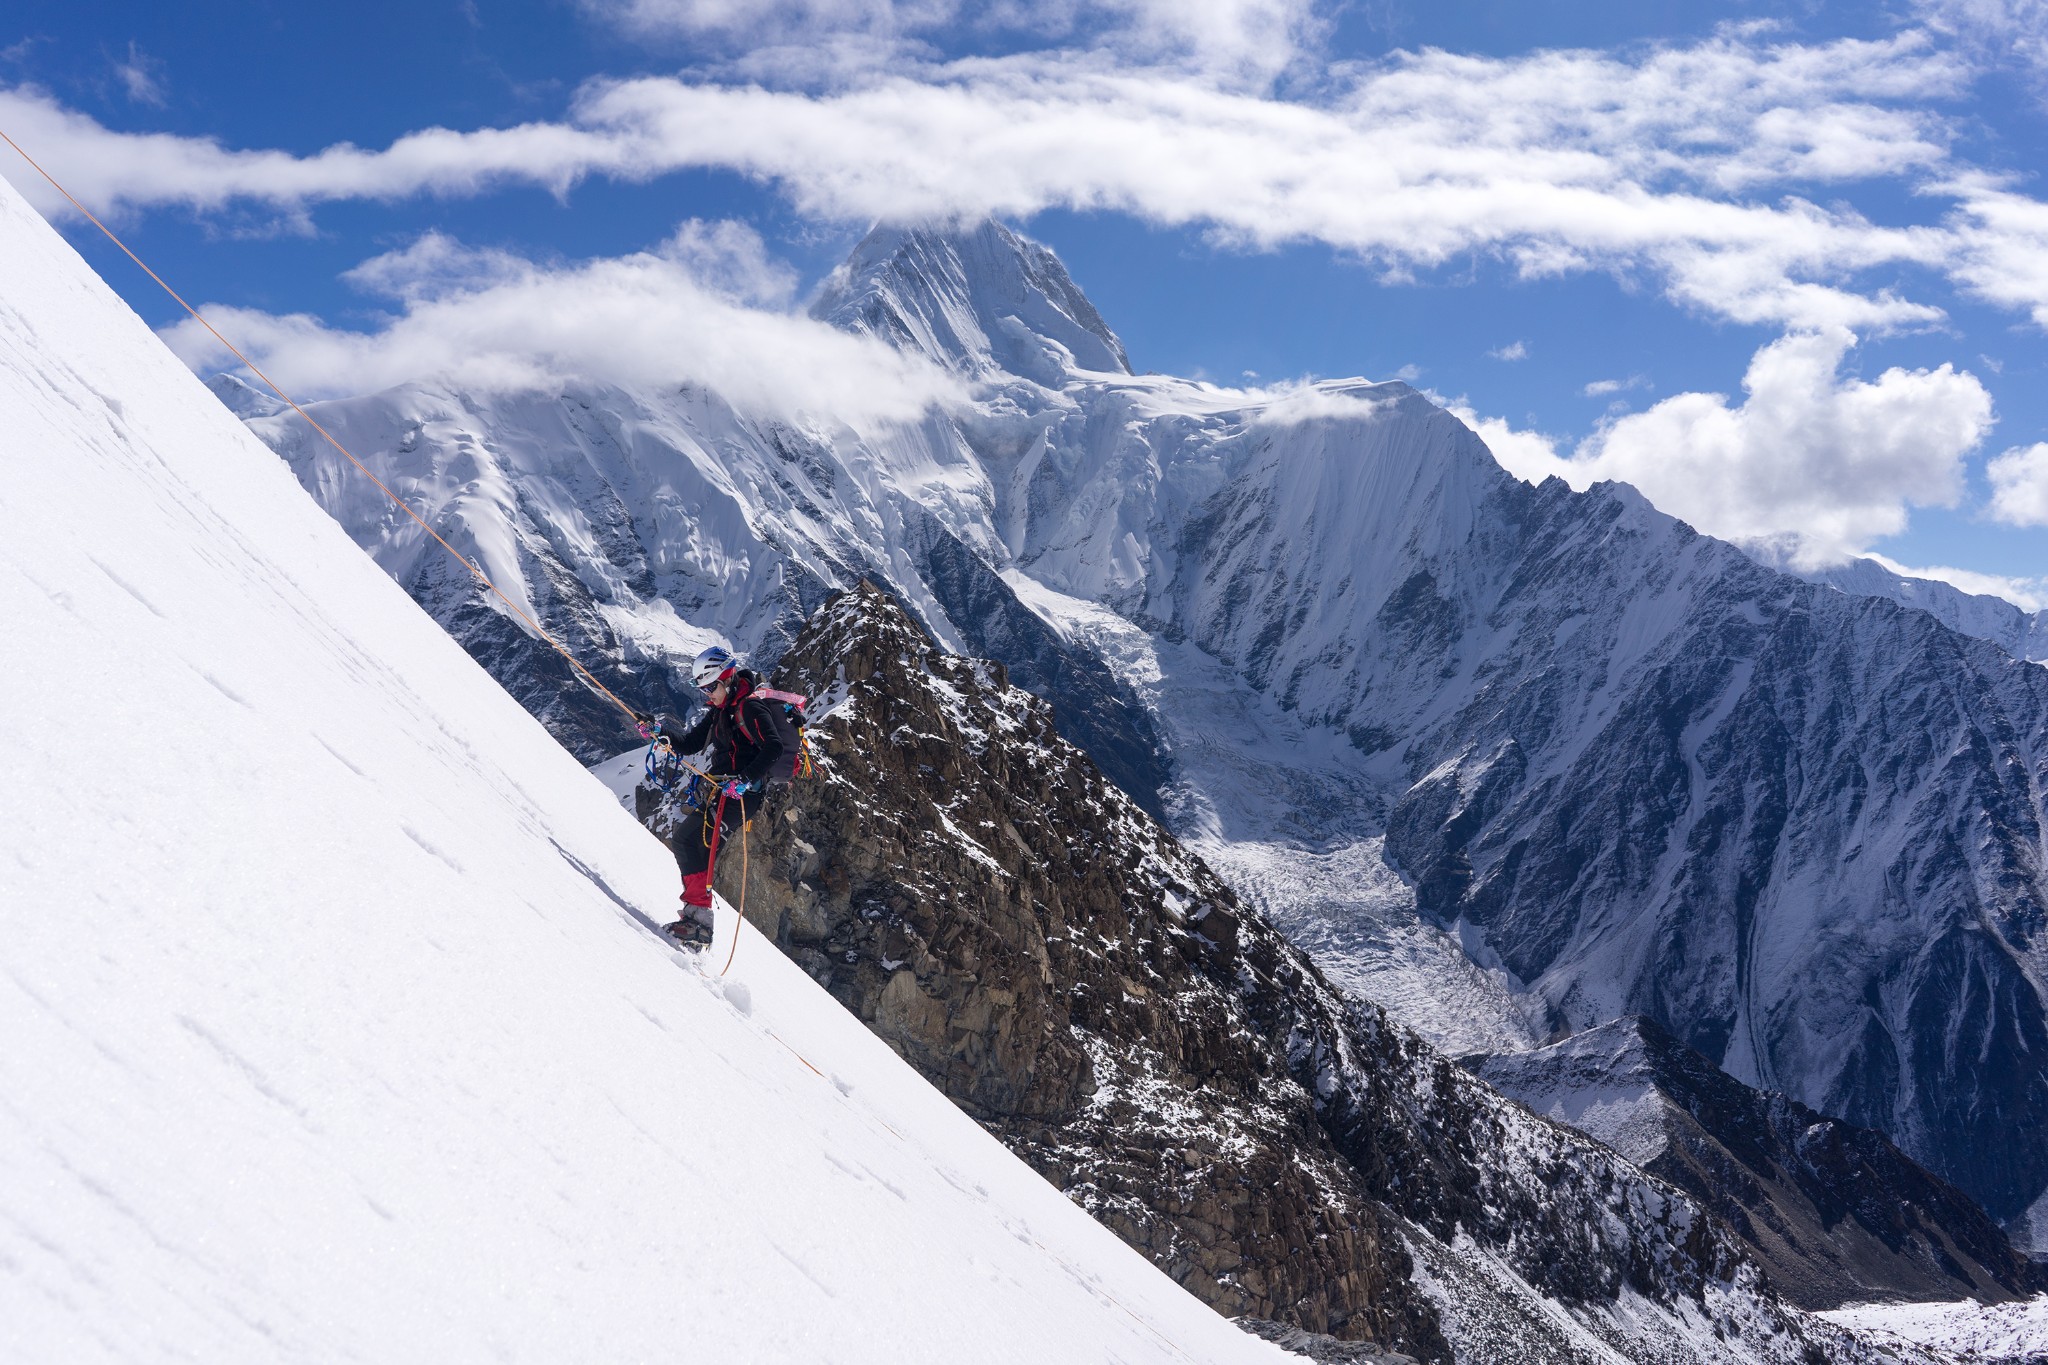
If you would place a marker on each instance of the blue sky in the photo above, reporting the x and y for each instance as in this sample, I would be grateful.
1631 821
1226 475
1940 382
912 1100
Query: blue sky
1583 221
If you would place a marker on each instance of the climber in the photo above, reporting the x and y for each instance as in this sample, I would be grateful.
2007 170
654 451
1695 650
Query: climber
749 741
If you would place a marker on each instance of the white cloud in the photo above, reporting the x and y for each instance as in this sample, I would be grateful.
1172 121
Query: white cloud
1514 350
494 321
1999 30
1820 463
759 21
2019 485
1659 166
733 259
2001 245
1238 39
435 264
141 76
2029 594
1287 405
1528 455
1601 388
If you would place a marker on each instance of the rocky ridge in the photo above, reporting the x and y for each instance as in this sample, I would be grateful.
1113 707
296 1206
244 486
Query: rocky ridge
1052 959
2018 631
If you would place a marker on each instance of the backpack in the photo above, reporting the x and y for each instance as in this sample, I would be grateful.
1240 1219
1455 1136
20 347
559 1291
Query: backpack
786 713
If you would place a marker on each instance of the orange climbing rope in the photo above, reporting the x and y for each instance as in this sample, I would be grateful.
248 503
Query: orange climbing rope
466 562
741 923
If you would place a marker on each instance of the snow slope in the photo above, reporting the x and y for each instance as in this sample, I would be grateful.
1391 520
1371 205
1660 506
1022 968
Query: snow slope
335 1026
1985 1334
2019 632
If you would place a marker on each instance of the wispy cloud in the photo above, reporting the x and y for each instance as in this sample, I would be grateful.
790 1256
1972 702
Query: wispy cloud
706 308
1241 41
1670 167
141 77
1601 388
1817 462
1514 350
1999 31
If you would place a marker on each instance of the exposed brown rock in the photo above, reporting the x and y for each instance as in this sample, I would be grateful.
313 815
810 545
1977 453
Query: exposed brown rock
1051 958
1030 940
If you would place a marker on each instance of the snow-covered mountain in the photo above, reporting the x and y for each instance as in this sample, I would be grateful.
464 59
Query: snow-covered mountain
336 1028
983 302
2021 633
1516 760
969 886
1836 1214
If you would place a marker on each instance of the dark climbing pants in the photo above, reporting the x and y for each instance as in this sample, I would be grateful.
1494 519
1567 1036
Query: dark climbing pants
693 835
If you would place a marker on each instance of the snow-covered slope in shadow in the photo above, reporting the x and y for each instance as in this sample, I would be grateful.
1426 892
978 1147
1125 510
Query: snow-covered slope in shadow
2019 632
335 1028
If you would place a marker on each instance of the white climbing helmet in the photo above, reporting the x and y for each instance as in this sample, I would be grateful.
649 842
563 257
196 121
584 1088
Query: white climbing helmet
713 666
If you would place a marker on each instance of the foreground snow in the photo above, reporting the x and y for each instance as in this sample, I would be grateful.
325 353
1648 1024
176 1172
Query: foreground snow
336 1026
1967 1330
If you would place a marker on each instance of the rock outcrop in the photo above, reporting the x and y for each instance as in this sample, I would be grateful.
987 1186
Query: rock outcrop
1835 1213
1023 933
972 888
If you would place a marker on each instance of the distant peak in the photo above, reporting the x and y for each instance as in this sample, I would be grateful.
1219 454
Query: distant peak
975 297
244 400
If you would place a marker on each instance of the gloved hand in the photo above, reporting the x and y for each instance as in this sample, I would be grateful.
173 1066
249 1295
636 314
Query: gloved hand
735 788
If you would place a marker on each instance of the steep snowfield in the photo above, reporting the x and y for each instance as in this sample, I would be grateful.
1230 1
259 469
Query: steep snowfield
335 1027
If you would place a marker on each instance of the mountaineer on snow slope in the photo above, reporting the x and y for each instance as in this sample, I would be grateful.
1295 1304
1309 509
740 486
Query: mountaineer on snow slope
750 739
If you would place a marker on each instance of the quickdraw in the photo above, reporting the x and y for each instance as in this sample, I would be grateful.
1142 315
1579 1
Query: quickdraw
663 765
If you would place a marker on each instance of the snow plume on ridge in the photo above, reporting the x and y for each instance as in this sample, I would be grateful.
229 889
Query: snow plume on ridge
1818 464
336 1026
707 307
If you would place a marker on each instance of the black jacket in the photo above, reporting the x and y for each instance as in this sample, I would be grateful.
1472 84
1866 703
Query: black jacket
740 737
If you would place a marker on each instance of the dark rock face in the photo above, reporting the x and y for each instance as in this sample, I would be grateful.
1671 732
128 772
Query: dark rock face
1012 924
1833 1212
1022 933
